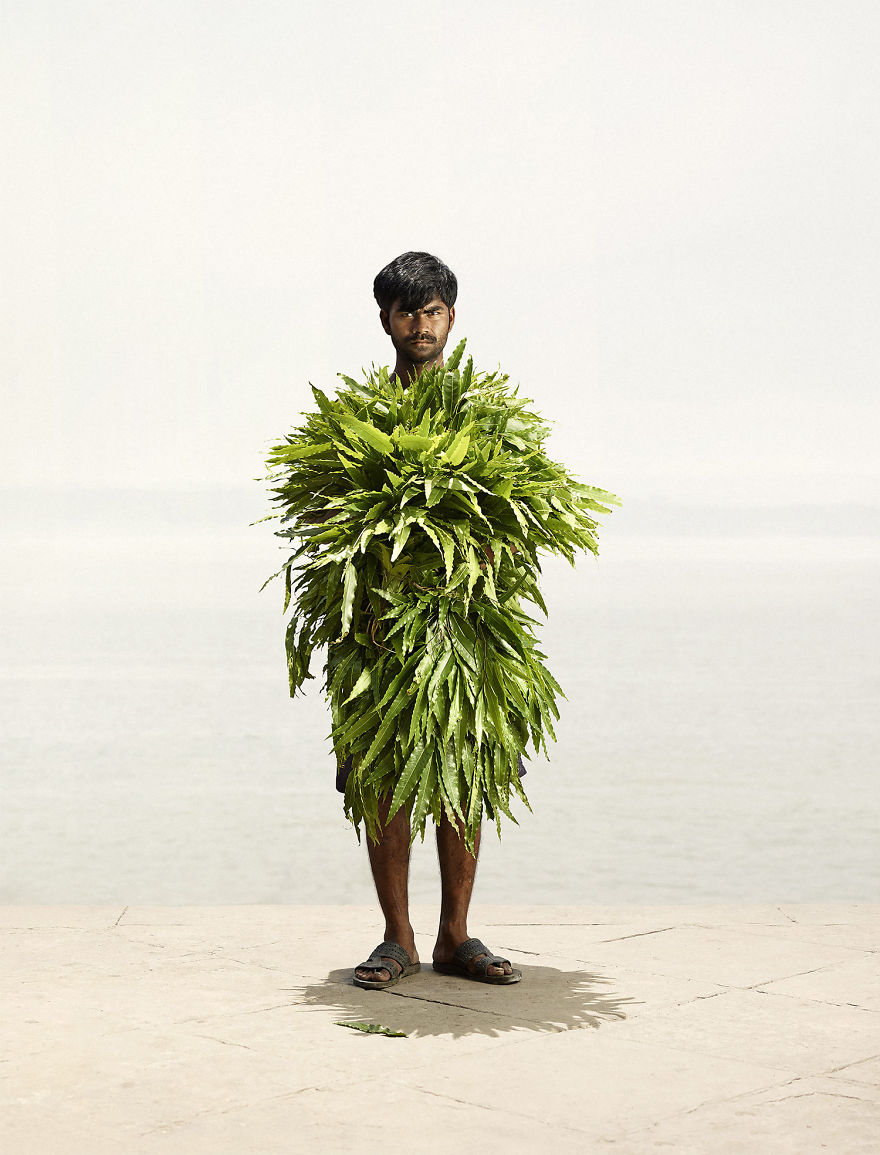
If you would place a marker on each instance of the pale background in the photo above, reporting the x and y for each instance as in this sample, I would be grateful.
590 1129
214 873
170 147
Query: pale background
663 219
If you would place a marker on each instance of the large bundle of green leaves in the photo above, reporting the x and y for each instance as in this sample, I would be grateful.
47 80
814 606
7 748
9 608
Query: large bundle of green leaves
418 511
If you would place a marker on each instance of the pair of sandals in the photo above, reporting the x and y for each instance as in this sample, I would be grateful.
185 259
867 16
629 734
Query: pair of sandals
389 955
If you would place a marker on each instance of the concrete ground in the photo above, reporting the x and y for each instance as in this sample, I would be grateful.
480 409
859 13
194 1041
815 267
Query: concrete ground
635 1029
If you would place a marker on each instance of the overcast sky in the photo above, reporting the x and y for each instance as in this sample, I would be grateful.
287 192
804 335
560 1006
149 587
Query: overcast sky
662 213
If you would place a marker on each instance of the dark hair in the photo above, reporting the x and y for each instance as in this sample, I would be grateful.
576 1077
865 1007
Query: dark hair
414 279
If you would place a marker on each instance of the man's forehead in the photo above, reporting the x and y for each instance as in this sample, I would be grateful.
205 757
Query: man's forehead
434 303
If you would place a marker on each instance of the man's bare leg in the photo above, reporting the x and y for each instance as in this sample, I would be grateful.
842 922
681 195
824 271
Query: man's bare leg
389 862
458 868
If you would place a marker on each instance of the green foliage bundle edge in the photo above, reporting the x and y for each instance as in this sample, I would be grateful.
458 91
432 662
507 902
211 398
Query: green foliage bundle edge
416 513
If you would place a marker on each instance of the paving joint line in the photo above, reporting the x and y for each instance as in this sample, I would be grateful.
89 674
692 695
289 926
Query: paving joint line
716 1102
819 1002
639 934
855 1063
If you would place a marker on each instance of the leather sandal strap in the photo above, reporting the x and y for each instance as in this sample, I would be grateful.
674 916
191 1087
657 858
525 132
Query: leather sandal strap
395 951
469 949
378 960
374 963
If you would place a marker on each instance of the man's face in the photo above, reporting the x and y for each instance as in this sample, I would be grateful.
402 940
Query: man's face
419 335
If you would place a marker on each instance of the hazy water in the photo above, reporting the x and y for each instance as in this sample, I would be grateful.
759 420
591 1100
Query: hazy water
719 741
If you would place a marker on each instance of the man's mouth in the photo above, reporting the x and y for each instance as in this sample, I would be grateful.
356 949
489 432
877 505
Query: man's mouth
421 340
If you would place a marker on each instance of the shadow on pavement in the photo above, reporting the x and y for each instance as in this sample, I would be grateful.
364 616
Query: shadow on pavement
430 1004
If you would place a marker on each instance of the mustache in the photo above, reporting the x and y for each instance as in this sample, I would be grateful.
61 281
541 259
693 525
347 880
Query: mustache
422 337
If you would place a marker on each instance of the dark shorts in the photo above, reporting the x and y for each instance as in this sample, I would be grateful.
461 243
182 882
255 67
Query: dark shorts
345 769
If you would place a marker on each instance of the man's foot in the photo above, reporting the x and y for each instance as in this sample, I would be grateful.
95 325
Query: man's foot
473 959
400 963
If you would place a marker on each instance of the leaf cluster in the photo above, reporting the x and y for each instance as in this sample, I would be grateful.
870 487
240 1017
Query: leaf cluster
416 512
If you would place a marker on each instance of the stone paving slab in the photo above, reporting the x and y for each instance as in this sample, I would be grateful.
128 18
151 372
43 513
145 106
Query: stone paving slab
318 1121
775 1032
567 1080
802 1116
213 1029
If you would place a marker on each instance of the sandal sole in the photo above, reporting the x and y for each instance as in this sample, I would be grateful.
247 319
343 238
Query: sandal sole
490 980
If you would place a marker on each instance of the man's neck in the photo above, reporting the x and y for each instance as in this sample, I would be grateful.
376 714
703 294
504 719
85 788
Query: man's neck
406 370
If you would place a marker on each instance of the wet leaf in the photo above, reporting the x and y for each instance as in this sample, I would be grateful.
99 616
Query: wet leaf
371 1029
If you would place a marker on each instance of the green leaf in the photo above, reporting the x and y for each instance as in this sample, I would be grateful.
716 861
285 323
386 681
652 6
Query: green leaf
454 687
454 359
451 778
448 391
467 375
415 442
296 452
473 569
363 683
286 587
400 540
362 724
371 1029
349 586
438 492
441 672
367 433
475 800
404 676
325 405
479 718
386 727
427 789
448 550
458 447
409 777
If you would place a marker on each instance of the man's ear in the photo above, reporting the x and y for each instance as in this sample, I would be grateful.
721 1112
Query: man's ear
383 317
452 316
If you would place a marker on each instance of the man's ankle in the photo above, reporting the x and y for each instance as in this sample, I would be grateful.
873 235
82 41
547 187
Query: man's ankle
453 930
400 933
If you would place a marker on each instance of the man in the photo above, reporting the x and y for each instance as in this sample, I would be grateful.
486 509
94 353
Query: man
416 296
